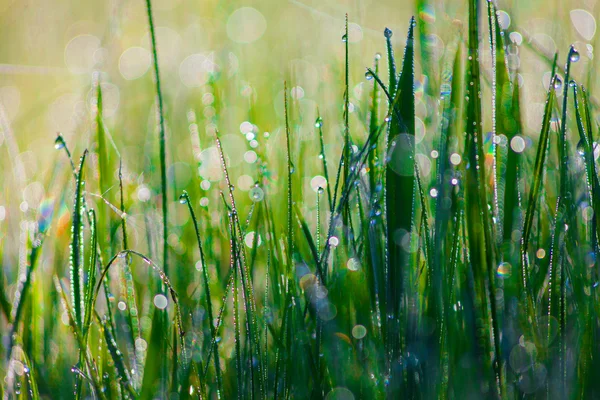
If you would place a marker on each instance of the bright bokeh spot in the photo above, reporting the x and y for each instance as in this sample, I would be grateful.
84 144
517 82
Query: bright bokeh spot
246 25
79 53
195 70
584 23
134 63
160 301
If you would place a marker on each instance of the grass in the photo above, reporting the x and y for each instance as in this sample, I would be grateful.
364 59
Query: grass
457 263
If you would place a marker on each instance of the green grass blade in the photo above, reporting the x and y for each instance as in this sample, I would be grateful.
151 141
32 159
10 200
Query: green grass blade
79 338
77 250
478 221
117 357
323 157
185 197
161 137
563 154
399 196
91 275
373 127
539 167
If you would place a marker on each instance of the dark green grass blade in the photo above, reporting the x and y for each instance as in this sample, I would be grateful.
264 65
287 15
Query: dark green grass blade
563 154
163 167
323 157
158 334
314 252
503 121
137 359
539 167
77 250
4 303
478 221
373 126
247 285
347 143
393 83
79 338
161 133
586 146
117 357
399 196
209 306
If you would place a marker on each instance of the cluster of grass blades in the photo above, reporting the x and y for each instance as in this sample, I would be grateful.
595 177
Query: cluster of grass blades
476 280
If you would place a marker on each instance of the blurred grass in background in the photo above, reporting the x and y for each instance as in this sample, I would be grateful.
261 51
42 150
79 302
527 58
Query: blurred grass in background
222 67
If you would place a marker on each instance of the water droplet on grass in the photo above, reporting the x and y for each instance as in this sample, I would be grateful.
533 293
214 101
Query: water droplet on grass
388 33
256 194
344 38
581 147
319 122
368 75
59 143
557 82
183 199
574 55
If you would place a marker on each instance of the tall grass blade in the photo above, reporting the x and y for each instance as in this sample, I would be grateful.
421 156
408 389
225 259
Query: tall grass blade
77 250
161 134
91 275
399 198
209 308
478 221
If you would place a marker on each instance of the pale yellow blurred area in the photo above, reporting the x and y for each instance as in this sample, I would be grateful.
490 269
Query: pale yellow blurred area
50 49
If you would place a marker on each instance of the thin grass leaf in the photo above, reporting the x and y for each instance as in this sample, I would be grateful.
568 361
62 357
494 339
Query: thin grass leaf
185 198
94 381
247 285
373 122
117 357
91 276
478 221
323 157
77 249
161 133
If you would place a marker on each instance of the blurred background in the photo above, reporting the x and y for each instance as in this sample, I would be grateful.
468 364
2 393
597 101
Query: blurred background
223 64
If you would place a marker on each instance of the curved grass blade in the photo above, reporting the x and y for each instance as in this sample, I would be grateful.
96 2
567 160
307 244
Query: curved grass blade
185 197
94 380
137 360
246 280
117 357
585 146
